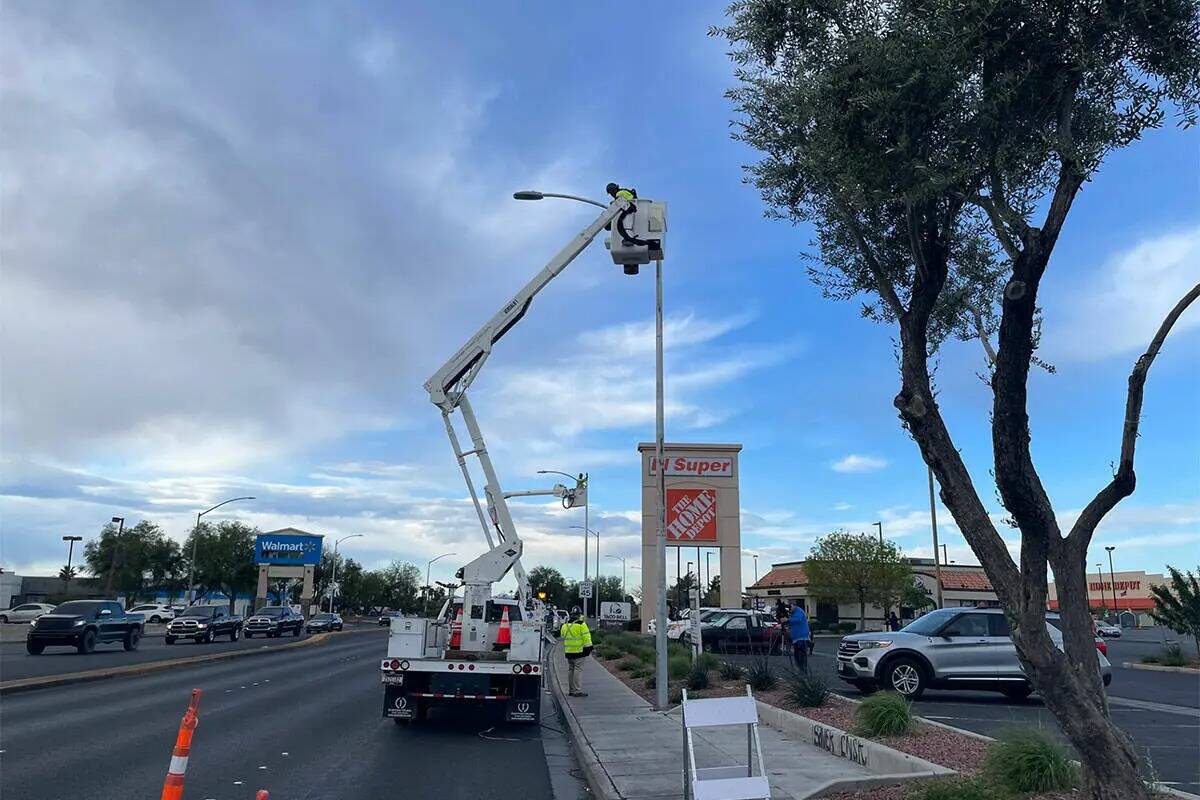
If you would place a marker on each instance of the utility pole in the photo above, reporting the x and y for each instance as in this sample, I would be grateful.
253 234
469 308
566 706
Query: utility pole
1100 575
622 560
195 541
1113 576
116 549
937 565
708 567
660 630
755 556
880 526
333 577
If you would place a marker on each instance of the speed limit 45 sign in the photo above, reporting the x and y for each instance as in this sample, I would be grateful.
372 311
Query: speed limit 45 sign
585 590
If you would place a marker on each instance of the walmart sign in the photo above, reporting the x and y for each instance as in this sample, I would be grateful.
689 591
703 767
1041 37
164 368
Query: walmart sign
282 548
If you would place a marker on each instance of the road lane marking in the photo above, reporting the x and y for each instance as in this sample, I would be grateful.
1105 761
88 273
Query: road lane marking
1146 705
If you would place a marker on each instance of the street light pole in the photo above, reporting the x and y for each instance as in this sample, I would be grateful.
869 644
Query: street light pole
755 557
116 549
1113 576
333 577
708 567
71 540
937 565
429 564
622 560
660 539
1100 573
880 526
196 540
581 477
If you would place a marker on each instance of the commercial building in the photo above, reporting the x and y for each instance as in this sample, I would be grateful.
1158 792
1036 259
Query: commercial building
1126 593
962 585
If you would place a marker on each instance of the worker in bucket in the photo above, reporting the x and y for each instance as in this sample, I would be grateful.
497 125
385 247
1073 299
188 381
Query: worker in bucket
577 644
617 193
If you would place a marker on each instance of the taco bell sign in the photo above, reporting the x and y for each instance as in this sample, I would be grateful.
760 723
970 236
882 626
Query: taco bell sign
287 549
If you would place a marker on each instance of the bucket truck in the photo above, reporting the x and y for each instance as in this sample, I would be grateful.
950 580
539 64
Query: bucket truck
482 649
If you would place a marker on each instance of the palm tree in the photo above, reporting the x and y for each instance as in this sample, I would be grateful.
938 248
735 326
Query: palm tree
1177 604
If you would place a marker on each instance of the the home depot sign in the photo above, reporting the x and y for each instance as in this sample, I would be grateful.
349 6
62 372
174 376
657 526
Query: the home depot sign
702 512
691 515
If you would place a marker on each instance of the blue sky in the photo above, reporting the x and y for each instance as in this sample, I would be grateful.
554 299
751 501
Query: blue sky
238 238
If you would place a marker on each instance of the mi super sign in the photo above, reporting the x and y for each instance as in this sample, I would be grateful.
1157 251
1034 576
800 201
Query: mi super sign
287 549
696 467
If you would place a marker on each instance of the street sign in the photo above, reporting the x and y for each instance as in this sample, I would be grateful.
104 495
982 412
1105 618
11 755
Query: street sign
614 612
585 590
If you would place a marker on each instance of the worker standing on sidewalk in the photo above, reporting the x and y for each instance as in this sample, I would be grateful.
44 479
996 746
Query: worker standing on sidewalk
798 628
577 644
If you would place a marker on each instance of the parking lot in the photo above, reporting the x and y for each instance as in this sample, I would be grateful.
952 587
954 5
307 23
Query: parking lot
1159 710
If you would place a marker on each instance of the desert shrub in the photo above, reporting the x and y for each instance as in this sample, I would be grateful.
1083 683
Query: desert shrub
1172 656
955 789
697 677
883 714
709 660
675 695
641 672
805 689
730 671
1029 760
628 664
651 681
679 666
760 675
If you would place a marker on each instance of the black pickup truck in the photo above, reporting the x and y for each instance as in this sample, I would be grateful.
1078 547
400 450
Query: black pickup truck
83 624
203 624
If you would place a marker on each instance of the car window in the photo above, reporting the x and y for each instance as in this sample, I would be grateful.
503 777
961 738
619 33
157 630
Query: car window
496 610
998 625
929 624
24 608
115 609
736 624
81 607
968 625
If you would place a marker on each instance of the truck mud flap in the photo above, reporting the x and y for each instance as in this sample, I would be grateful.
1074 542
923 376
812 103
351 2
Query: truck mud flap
522 710
397 704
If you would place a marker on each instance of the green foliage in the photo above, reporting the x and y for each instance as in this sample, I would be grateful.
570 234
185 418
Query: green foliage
651 680
607 651
134 560
1173 656
675 695
846 627
552 582
708 660
760 675
730 671
606 589
955 789
856 567
641 672
1029 760
629 664
1177 603
883 714
697 677
224 557
644 654
679 666
805 689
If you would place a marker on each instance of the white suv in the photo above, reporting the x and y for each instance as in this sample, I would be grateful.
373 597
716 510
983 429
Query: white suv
153 613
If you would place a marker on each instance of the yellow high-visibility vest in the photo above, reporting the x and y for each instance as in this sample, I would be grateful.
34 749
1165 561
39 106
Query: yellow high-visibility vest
575 637
625 194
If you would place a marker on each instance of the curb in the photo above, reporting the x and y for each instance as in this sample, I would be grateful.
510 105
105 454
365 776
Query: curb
68 678
1161 668
593 773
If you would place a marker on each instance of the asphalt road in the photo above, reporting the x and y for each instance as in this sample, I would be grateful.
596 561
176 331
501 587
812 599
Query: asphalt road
1160 711
303 724
16 663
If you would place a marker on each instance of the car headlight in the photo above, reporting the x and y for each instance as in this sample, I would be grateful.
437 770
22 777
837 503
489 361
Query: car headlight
870 645
78 623
33 622
201 624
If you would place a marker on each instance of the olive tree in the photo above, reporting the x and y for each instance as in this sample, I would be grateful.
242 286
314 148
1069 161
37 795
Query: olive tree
937 148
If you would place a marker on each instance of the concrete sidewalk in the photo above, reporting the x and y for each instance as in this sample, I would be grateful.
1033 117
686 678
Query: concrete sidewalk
628 750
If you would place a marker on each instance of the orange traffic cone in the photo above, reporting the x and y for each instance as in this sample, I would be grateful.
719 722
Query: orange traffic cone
456 632
504 635
173 785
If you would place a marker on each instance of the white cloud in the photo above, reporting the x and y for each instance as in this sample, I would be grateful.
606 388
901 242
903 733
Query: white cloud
1124 302
842 506
858 463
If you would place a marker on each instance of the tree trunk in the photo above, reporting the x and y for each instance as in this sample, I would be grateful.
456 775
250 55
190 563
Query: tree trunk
862 616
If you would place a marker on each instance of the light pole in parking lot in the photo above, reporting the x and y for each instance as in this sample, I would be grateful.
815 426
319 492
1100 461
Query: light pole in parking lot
70 552
333 577
195 541
428 587
1113 576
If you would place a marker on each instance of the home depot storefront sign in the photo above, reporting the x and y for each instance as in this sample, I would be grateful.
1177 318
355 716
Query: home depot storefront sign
702 511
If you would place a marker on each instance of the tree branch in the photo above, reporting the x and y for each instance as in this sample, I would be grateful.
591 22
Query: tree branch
883 284
1124 481
981 330
993 214
1007 213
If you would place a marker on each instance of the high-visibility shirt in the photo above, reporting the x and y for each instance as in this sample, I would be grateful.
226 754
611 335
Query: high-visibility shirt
624 194
575 637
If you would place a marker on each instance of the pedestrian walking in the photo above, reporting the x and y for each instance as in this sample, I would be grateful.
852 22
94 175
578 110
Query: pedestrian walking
893 622
577 645
800 633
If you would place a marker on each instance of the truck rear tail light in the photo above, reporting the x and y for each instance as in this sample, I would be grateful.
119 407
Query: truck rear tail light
516 669
527 669
450 666
535 669
404 665
461 667
395 664
471 667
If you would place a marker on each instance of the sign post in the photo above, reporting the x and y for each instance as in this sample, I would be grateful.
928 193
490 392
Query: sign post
614 615
694 623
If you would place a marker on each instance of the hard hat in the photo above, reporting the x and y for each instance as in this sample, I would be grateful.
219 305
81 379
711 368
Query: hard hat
576 611
612 189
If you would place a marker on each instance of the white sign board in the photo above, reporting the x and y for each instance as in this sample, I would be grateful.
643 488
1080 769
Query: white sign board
614 612
585 590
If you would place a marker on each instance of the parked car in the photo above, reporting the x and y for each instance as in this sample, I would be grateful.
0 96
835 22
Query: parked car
26 612
1107 629
154 613
203 624
386 617
728 631
83 624
952 648
323 621
274 621
675 628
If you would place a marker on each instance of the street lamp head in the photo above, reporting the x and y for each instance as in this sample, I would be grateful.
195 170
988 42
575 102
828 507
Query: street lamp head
1110 548
118 519
72 538
527 194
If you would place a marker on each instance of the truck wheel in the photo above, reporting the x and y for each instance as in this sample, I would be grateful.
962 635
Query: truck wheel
206 638
34 648
155 620
169 639
132 639
235 634
88 643
906 677
1017 692
3 619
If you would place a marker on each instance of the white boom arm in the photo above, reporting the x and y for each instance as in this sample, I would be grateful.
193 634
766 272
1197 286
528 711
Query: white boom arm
448 390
